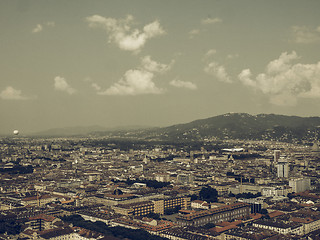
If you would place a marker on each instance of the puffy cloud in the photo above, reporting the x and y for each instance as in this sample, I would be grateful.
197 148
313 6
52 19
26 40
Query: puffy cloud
194 32
219 71
61 84
281 64
211 20
211 52
139 81
304 34
12 94
96 86
285 82
121 33
245 78
37 29
134 82
40 27
183 84
153 66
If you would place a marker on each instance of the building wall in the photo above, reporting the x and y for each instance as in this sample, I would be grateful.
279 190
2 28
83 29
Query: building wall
283 170
159 206
313 226
215 215
300 184
143 209
156 206
297 230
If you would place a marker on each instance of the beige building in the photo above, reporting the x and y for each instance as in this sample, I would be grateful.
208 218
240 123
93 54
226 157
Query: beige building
214 215
281 227
154 206
38 200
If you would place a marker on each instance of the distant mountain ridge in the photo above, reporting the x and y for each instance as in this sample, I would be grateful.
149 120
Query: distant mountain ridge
237 126
82 130
69 131
241 126
246 126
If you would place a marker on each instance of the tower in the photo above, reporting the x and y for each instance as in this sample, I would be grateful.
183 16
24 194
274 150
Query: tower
276 156
283 169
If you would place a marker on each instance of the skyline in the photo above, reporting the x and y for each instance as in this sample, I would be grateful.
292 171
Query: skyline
155 63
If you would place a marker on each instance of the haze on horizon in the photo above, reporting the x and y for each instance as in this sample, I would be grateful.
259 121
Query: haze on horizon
155 63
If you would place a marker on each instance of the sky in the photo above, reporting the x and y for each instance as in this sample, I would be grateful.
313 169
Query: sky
155 62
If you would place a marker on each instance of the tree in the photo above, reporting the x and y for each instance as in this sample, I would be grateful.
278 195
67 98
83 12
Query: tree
248 195
209 225
290 195
193 197
208 194
263 211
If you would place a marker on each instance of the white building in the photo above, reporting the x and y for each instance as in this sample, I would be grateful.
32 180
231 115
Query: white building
283 169
162 177
300 184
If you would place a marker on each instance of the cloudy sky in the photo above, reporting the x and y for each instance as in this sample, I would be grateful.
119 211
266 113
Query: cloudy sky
155 62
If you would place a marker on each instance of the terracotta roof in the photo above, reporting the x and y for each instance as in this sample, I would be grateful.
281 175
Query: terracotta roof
301 220
275 214
255 215
224 224
44 217
68 201
222 229
36 198
53 233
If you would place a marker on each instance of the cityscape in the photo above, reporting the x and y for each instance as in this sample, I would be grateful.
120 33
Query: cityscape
121 188
157 120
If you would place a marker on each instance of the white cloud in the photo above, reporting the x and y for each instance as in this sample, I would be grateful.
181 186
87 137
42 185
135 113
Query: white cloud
12 94
134 82
40 27
96 86
153 66
304 34
51 24
219 71
37 29
183 84
285 82
194 32
121 33
232 56
61 84
211 52
211 20
245 78
139 81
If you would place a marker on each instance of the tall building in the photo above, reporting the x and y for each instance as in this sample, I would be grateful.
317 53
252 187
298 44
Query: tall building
283 169
276 155
300 184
